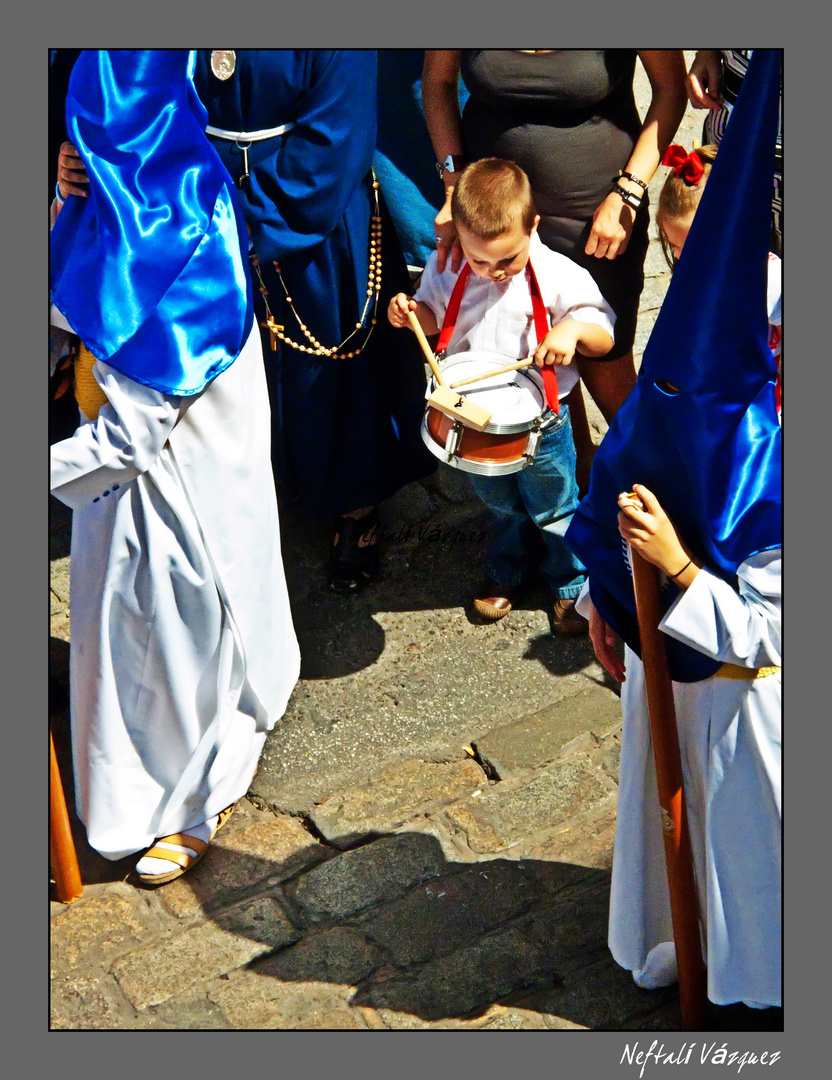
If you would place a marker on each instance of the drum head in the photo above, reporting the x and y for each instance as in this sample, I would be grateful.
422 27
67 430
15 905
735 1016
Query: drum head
515 399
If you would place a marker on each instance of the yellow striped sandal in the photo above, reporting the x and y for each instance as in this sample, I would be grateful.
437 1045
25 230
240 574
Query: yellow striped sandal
183 860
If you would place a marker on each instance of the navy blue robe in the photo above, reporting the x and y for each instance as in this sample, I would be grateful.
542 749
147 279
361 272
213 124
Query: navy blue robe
346 432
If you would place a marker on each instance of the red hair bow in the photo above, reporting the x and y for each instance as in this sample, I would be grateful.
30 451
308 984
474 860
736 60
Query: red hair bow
687 165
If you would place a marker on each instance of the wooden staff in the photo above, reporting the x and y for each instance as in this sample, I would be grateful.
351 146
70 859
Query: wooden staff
684 905
62 855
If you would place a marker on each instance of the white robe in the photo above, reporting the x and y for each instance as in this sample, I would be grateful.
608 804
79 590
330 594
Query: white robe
183 652
729 734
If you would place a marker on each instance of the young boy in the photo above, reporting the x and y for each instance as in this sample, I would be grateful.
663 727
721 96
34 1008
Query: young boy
496 222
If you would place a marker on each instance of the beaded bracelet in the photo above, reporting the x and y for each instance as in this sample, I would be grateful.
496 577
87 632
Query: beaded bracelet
629 176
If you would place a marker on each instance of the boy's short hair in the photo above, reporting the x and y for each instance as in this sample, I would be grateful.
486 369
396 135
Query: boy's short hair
491 196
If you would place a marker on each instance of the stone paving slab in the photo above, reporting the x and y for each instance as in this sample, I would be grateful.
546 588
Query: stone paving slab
517 810
392 798
253 1000
341 955
449 912
497 1018
158 971
88 1002
604 998
264 852
539 739
191 1011
585 842
383 870
467 982
572 926
106 922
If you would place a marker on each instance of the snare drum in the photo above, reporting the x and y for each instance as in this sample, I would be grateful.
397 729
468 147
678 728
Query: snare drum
517 403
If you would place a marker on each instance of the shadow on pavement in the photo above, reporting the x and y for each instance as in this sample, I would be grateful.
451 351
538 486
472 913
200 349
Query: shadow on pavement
395 925
426 566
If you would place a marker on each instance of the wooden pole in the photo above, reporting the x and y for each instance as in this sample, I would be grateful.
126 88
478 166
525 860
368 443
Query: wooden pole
684 905
62 854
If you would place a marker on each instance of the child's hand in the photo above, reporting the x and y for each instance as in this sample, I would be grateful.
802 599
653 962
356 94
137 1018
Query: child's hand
558 347
398 308
650 532
605 643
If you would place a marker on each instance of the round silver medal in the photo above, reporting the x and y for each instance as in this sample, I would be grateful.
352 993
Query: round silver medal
223 62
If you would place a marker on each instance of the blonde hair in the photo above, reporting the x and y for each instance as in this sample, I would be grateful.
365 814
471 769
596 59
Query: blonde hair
679 197
491 197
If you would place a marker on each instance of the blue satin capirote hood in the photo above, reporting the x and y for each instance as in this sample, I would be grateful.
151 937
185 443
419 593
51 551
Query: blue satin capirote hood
151 269
711 452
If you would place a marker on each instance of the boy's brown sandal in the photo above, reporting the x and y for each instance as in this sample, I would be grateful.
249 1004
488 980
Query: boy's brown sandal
493 601
566 621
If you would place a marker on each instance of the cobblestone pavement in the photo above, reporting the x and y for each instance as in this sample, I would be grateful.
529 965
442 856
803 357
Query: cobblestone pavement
428 841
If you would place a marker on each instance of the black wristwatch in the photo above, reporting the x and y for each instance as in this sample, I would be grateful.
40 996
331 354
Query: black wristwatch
632 200
453 163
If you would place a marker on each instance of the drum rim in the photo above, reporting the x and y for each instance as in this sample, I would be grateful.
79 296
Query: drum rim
519 426
480 468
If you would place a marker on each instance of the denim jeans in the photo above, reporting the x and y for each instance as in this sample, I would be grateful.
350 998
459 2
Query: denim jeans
532 510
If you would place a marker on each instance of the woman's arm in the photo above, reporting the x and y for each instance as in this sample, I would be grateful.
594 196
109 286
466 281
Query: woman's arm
440 101
704 80
613 220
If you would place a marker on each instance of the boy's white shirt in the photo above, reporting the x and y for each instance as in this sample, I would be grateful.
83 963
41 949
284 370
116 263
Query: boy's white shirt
497 317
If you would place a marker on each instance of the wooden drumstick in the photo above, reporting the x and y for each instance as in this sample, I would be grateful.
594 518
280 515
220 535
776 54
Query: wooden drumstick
498 371
443 398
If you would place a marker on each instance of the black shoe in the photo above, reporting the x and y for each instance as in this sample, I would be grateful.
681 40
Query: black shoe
353 561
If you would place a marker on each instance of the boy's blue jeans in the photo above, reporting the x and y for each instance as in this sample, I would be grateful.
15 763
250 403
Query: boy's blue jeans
532 510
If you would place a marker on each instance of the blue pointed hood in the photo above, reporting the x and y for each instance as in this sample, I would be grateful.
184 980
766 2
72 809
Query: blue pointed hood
711 452
151 268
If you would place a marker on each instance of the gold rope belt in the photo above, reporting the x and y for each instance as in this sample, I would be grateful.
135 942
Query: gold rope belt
88 393
734 671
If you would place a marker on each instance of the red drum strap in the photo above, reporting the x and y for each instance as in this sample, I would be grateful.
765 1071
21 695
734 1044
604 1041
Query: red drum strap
541 326
452 310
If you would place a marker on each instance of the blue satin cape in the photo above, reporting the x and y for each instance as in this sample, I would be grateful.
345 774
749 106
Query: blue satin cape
711 452
151 269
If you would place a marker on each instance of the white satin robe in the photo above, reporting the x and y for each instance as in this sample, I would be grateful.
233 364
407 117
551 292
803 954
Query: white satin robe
729 734
183 653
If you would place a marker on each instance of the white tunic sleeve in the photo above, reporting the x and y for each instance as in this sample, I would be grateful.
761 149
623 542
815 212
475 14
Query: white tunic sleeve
738 627
121 444
570 292
434 288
